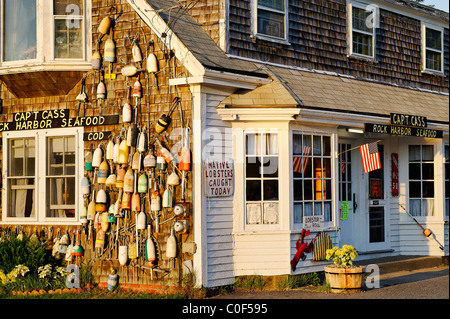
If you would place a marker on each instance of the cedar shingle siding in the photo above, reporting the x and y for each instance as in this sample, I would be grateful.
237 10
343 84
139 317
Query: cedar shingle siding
318 38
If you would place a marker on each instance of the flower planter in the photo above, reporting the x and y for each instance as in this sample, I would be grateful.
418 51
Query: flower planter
343 279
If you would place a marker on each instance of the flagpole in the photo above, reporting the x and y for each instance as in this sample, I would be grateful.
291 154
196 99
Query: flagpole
354 148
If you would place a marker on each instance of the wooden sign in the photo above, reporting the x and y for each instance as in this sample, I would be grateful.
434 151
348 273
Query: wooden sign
96 136
219 178
409 120
47 119
402 130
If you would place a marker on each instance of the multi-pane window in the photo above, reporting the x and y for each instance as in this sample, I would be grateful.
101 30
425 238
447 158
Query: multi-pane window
61 176
312 176
433 49
19 30
362 32
41 176
68 15
345 172
421 180
21 178
261 178
271 18
43 31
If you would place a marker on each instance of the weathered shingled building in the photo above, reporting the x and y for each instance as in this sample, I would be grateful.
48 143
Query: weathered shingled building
277 97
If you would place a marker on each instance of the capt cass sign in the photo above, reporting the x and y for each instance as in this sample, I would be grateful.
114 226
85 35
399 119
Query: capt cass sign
219 178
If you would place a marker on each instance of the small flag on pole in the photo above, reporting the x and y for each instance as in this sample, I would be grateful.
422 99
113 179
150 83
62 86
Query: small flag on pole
300 163
370 157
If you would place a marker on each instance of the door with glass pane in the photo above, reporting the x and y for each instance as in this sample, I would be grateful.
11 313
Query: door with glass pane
376 216
346 192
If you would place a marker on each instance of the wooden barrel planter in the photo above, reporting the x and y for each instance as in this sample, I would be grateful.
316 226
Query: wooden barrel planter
342 279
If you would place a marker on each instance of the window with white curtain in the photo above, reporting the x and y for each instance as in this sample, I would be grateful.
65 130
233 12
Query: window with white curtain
270 18
42 175
41 31
447 185
421 180
261 178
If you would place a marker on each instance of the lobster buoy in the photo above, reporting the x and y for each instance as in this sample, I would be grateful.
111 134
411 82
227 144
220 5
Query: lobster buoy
116 152
129 70
97 160
128 183
163 123
126 202
155 200
126 113
150 250
152 63
142 142
110 150
132 134
85 186
110 51
113 280
142 220
137 89
96 60
137 54
171 249
142 183
161 164
167 199
103 172
88 161
136 163
91 208
101 91
123 152
123 255
149 161
135 202
173 179
104 221
120 178
105 25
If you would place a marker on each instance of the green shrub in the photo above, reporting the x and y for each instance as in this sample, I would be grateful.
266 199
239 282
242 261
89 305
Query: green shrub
23 251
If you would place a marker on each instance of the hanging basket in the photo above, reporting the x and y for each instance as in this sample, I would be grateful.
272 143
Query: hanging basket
342 279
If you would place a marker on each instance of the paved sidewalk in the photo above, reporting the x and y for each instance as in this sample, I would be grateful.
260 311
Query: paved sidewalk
428 283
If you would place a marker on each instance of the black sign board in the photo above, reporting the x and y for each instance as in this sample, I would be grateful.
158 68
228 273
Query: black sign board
96 136
47 119
408 120
402 130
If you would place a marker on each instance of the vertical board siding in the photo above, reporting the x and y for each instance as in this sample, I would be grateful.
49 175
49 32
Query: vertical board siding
219 211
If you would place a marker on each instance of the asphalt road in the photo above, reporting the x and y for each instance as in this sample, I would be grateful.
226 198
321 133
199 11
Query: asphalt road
432 283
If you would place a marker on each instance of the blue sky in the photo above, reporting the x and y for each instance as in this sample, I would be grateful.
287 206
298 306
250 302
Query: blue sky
438 4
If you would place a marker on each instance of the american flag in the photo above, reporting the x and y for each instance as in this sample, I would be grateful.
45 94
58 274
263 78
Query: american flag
300 163
370 157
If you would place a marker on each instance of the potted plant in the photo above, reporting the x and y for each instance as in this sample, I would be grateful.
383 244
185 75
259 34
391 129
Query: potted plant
343 276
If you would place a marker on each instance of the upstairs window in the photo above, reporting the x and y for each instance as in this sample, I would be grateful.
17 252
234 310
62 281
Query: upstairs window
271 18
43 32
362 23
432 48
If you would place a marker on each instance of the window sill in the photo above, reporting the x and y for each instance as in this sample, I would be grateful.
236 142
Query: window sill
264 37
79 65
362 58
434 73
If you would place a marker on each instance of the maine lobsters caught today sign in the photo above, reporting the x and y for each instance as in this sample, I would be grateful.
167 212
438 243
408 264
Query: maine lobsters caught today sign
48 119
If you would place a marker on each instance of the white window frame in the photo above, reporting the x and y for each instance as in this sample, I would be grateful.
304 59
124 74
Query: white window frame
45 42
262 179
40 195
294 131
375 13
255 33
446 181
425 26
